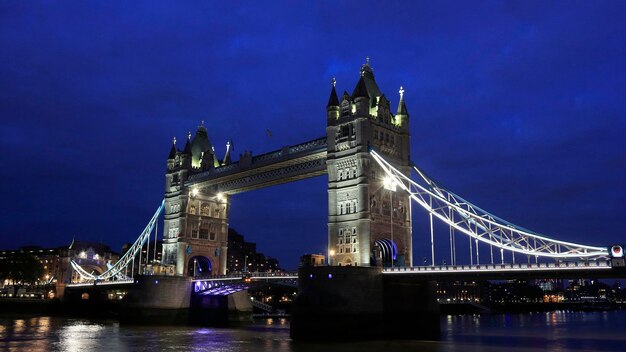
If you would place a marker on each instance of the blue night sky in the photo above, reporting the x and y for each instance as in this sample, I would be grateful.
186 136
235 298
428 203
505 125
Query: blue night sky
518 106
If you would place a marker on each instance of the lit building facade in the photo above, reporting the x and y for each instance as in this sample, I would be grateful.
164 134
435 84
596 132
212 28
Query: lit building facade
195 234
368 223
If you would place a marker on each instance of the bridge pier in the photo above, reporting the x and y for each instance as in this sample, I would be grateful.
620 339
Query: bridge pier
226 310
158 299
358 303
172 300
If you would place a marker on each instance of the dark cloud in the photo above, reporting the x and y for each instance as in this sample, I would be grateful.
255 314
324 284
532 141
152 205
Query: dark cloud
516 105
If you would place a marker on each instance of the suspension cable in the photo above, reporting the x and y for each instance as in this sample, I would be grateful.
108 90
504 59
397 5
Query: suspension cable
489 228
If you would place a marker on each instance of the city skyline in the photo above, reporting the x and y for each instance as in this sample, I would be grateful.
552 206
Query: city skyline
518 107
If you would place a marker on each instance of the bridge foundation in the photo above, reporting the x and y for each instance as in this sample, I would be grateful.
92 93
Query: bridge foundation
358 303
223 310
158 299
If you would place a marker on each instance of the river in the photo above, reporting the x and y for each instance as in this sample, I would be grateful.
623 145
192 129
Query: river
552 331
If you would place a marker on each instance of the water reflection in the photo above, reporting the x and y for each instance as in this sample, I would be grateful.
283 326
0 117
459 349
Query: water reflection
554 331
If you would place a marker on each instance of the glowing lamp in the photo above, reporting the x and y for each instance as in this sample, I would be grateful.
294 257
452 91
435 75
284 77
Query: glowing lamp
389 183
617 251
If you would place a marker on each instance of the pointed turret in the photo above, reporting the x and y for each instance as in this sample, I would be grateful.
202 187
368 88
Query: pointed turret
401 105
200 145
402 115
333 100
332 108
216 163
360 91
173 150
367 76
187 150
226 160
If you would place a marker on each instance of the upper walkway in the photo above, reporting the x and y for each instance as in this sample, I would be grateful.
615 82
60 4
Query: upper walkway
284 165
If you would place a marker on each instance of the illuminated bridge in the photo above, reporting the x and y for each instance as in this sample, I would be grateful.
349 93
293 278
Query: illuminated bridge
373 188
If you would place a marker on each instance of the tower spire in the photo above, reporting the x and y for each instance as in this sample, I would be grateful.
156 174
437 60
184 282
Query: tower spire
333 100
187 149
401 105
173 150
366 69
226 160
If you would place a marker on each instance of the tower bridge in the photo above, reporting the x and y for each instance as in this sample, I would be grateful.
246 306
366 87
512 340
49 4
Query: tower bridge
372 188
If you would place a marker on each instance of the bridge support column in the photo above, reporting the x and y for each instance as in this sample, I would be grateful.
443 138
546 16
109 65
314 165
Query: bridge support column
358 303
158 299
228 310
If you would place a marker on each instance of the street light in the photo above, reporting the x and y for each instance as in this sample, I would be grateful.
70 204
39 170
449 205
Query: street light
331 253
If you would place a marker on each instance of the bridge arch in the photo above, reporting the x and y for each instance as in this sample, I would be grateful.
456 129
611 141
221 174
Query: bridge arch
199 266
388 251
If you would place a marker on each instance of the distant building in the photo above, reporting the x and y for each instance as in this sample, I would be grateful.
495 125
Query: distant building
49 258
312 260
55 261
243 257
460 291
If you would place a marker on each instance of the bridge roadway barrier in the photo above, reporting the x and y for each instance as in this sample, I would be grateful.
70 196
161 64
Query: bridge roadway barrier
337 303
597 269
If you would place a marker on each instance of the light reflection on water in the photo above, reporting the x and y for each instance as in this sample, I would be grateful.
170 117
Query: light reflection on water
553 331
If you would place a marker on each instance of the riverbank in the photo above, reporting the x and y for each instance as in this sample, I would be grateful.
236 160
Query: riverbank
495 308
111 309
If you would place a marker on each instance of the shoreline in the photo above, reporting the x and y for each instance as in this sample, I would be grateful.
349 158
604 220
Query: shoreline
111 310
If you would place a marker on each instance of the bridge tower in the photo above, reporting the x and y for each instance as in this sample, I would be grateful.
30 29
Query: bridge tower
368 223
195 234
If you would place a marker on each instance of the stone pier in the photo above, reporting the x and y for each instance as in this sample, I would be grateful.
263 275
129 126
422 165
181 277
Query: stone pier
359 303
158 299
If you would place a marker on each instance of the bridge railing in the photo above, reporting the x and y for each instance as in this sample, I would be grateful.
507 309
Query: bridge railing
601 264
251 275
100 283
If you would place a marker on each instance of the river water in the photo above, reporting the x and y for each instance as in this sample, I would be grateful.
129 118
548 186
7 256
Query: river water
552 331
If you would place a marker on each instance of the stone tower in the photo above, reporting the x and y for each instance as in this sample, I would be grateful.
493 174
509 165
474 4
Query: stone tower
195 234
368 224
